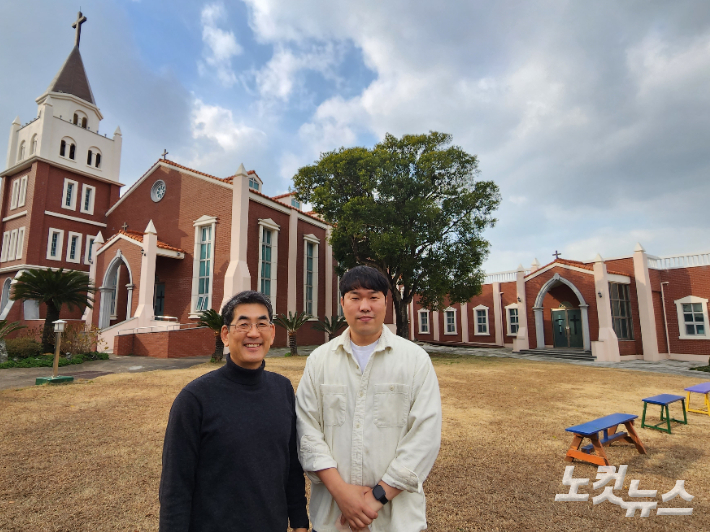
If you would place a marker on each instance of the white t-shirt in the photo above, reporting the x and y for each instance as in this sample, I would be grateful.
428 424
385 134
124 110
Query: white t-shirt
363 353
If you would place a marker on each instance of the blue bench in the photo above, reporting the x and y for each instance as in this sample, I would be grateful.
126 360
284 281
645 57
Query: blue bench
591 429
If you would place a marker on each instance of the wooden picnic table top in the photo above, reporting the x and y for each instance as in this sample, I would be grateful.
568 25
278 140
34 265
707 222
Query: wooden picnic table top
594 426
703 387
663 399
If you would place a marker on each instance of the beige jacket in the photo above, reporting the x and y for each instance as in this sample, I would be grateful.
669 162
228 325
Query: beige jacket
383 424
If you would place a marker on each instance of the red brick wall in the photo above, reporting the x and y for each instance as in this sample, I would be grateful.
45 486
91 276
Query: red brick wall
131 252
509 296
167 344
626 267
681 283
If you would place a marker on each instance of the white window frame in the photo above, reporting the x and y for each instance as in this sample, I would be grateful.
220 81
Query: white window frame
12 251
68 141
508 308
72 206
77 251
446 322
254 184
87 249
60 242
5 246
14 194
84 189
20 242
199 224
475 321
681 319
23 191
269 225
422 330
313 239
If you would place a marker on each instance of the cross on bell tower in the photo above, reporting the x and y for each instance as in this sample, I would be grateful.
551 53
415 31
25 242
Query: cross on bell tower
80 19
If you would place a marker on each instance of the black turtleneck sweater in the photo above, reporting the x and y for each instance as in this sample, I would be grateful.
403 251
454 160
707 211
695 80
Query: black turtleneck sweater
229 459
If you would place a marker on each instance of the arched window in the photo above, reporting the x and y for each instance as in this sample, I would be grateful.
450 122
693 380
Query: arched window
89 157
83 122
72 151
22 151
76 119
33 145
94 157
5 293
98 160
63 148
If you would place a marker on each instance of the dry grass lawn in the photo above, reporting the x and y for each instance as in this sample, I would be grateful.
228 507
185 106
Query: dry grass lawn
86 457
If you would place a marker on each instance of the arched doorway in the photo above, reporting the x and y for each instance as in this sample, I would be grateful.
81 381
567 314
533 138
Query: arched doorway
570 323
116 293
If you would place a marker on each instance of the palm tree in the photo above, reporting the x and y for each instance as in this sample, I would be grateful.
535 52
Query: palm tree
331 326
213 319
292 324
55 288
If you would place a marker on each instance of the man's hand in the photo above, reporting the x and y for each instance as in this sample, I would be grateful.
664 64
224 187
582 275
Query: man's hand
357 511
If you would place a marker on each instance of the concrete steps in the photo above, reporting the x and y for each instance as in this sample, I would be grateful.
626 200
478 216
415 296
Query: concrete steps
561 353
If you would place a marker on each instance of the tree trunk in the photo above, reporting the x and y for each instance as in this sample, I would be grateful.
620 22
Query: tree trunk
292 343
48 330
218 348
401 316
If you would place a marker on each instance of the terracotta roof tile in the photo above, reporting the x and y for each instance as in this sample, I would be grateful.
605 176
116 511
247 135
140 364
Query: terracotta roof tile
173 163
138 237
283 195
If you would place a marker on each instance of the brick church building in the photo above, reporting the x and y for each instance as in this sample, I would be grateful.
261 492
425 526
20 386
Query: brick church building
180 241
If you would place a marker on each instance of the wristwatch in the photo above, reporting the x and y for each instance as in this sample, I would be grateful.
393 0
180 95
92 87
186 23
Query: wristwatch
378 492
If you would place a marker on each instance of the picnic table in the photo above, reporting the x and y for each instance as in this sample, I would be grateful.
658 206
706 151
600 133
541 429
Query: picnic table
702 388
591 429
663 400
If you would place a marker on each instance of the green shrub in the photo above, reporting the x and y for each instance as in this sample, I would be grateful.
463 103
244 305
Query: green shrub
46 361
23 347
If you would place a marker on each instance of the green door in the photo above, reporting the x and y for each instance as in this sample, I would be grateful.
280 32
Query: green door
574 321
559 328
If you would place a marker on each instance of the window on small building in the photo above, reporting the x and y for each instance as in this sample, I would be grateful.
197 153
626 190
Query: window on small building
203 291
480 314
621 311
98 160
5 246
75 121
89 246
83 122
267 282
15 194
310 275
20 242
87 199
450 321
89 157
423 322
63 148
295 203
512 320
22 196
72 151
254 184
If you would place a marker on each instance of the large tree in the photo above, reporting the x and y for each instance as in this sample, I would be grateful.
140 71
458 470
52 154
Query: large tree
55 288
413 208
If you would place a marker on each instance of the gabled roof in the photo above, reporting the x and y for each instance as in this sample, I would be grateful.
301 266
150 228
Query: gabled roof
71 78
173 163
569 263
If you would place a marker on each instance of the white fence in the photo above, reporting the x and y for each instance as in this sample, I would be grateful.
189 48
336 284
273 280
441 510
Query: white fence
679 261
502 277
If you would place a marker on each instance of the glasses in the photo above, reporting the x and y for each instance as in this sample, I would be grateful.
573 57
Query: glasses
245 327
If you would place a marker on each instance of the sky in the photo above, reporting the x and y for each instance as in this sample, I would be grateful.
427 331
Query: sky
592 117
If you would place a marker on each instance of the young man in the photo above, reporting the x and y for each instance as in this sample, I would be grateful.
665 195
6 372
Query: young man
229 459
369 419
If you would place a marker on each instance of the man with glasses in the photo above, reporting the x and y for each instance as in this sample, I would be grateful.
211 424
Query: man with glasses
229 457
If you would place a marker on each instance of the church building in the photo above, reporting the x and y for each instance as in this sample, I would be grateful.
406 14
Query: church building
180 241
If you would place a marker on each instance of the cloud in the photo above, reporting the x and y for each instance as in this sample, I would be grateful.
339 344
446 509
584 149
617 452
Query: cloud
220 45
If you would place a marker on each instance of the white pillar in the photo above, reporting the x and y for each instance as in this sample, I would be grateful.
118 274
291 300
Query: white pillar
328 275
89 312
586 339
129 300
539 327
146 290
117 144
606 348
435 324
521 341
292 261
12 143
237 277
645 298
464 323
44 148
498 313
